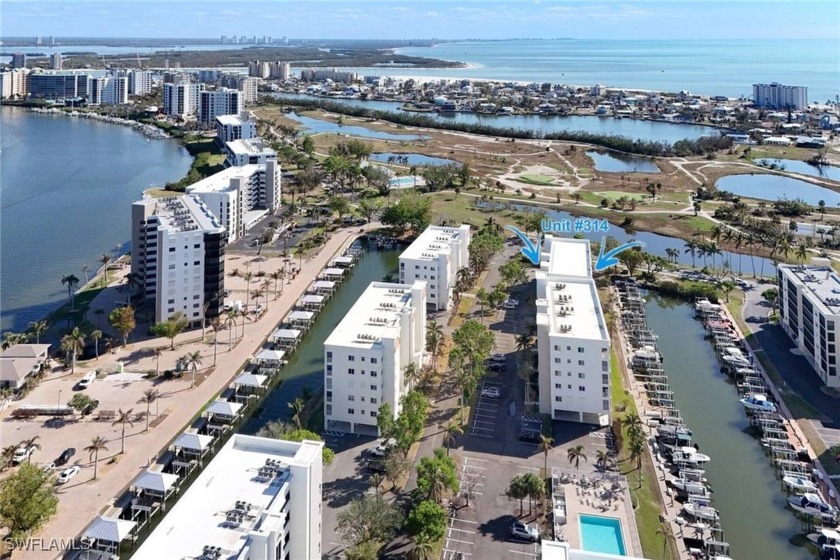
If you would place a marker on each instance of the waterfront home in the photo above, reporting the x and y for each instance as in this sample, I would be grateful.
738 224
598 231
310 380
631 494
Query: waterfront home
19 362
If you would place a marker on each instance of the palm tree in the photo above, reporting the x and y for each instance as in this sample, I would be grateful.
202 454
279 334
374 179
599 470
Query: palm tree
230 320
602 458
411 374
524 341
802 252
297 407
192 360
31 443
96 335
72 283
216 325
376 480
74 342
7 454
105 258
546 445
632 423
434 339
691 247
97 444
424 547
575 454
247 277
637 449
123 418
279 274
149 396
450 432
38 328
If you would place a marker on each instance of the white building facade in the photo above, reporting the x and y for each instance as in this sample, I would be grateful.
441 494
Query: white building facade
108 90
140 82
236 127
181 99
240 196
218 102
177 256
247 152
572 339
779 96
366 354
809 312
435 257
282 507
13 84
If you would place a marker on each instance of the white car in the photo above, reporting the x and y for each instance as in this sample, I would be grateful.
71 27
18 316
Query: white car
509 305
49 468
382 448
258 309
500 358
491 392
86 381
67 474
22 454
523 531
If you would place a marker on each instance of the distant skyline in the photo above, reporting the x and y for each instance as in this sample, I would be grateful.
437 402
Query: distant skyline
488 19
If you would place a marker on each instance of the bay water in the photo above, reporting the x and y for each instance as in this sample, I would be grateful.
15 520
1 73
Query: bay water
66 190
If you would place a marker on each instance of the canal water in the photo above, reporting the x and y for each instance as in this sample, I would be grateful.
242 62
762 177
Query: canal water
746 491
306 368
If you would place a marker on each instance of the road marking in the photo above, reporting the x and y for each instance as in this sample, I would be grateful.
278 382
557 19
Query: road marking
482 436
528 468
474 459
462 552
462 530
456 540
479 468
524 553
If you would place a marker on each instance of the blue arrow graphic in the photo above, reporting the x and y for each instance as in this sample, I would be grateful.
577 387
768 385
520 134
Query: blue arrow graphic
608 260
530 250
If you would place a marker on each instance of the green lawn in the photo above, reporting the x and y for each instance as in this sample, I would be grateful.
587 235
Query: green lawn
615 195
647 502
536 179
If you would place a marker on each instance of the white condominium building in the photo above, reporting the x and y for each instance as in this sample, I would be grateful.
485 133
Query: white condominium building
572 338
258 499
240 196
13 84
367 352
809 311
181 99
108 90
139 82
236 127
778 96
245 152
435 257
219 102
177 256
280 71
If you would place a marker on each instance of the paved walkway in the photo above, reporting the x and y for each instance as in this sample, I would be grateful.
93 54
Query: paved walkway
142 448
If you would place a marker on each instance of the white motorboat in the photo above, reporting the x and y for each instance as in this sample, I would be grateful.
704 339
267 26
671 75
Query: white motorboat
689 456
826 539
691 488
799 482
671 437
699 510
734 357
758 403
646 356
703 304
813 505
692 475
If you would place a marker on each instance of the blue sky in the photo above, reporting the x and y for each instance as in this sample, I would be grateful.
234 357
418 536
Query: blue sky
487 19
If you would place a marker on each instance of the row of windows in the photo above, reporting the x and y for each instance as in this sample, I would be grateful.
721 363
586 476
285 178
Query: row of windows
581 388
352 398
351 358
580 349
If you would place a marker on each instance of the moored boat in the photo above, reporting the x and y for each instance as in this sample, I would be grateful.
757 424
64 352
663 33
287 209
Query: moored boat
813 505
758 402
701 510
799 482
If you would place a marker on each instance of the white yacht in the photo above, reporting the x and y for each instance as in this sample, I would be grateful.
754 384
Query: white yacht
799 482
690 456
813 505
700 510
826 539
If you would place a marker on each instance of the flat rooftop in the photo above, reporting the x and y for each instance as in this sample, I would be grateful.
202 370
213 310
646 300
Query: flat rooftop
197 520
374 316
432 242
251 146
573 307
183 213
220 181
819 281
563 256
233 120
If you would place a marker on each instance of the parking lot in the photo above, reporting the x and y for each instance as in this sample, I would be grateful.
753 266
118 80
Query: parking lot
485 415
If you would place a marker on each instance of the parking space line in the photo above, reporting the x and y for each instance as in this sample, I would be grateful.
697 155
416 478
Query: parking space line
525 553
462 530
456 540
528 468
479 468
464 521
461 551
467 459
482 436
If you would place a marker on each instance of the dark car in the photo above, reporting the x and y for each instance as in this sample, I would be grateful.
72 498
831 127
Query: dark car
65 456
376 467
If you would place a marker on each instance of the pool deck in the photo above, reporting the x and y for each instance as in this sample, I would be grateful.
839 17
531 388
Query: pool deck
588 501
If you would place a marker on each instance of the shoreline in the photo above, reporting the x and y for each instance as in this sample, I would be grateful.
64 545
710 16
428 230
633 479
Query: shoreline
148 130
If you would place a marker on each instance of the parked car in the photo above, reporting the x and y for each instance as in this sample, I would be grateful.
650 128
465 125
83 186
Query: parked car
49 468
65 456
67 474
377 467
508 305
499 358
382 448
87 380
22 454
520 530
496 366
258 309
491 392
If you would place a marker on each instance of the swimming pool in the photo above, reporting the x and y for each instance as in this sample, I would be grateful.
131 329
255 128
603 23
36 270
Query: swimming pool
406 182
601 534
